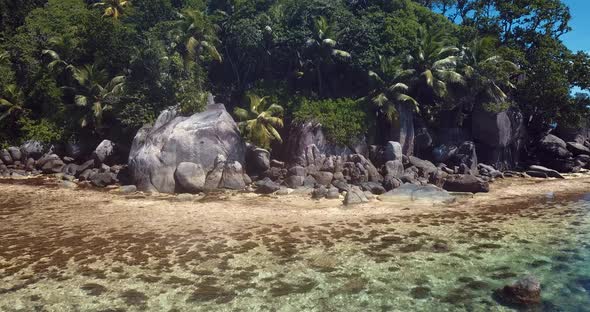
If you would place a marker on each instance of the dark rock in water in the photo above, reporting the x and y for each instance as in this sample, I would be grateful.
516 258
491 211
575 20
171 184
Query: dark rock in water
525 292
190 177
158 150
319 192
15 153
373 187
53 166
355 196
266 186
323 177
32 149
257 160
103 179
577 148
549 172
465 183
537 174
104 152
5 157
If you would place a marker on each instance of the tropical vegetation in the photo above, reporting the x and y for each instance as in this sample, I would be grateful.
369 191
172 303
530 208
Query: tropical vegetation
74 70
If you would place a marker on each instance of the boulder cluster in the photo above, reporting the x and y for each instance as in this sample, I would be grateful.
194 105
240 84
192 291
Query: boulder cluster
205 152
101 167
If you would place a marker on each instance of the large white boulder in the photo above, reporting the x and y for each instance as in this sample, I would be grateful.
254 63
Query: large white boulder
157 151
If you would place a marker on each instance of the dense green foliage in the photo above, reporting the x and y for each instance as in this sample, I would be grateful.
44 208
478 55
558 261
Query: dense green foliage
343 119
87 69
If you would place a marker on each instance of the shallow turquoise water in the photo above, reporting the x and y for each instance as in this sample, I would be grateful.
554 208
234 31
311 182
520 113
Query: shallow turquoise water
448 261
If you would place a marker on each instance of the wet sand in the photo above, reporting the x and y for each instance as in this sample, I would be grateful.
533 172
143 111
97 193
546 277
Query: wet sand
89 250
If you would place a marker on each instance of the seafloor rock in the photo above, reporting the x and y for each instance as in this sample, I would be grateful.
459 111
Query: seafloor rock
525 292
158 150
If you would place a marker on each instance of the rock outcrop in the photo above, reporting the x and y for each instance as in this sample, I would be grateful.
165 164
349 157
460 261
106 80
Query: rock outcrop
157 151
303 135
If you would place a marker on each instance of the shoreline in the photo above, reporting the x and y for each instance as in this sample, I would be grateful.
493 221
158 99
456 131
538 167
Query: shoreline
238 208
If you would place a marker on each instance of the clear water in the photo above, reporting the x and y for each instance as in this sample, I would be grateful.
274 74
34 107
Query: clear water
447 261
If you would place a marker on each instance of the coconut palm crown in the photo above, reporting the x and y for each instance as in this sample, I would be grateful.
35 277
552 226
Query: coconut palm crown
259 123
113 8
390 88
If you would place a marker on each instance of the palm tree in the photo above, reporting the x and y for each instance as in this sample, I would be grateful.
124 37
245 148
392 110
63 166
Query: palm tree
260 122
197 37
113 8
322 50
390 90
95 93
433 65
12 99
488 74
56 64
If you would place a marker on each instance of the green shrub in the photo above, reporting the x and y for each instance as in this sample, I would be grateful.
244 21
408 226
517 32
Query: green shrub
342 119
41 130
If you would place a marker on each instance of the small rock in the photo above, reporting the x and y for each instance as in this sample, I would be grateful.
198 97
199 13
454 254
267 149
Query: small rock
67 184
373 187
355 196
266 186
284 191
185 197
333 193
53 166
102 179
319 192
127 189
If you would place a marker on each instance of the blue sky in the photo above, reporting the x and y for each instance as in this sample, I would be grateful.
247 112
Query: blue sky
579 38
